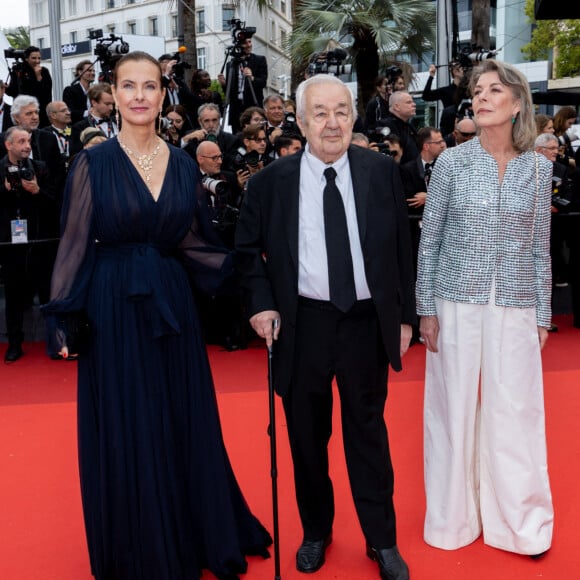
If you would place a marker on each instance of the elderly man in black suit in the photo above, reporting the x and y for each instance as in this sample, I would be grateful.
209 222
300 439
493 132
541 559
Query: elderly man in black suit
324 256
247 76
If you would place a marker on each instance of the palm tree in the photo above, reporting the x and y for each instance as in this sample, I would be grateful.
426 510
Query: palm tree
376 32
18 38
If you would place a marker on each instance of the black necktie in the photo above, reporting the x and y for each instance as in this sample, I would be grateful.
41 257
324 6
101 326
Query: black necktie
340 270
428 170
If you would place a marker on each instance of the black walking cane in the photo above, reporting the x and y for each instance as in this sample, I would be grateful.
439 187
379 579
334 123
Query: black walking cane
273 459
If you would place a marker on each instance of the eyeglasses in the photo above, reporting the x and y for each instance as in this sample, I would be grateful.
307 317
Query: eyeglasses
436 142
259 139
552 148
213 157
466 135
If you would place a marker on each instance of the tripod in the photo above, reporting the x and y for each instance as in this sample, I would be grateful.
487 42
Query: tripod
236 63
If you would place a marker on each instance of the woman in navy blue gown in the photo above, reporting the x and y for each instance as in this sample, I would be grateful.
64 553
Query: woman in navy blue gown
160 499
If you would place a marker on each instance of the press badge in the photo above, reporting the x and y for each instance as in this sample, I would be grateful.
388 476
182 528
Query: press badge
19 231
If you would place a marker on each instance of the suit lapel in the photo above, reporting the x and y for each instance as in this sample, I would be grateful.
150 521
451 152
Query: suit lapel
289 190
360 175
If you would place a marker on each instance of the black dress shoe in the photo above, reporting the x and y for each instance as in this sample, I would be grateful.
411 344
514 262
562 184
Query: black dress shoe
310 555
13 353
391 564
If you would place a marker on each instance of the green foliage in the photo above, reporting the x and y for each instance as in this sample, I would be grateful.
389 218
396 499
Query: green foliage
375 33
18 38
557 39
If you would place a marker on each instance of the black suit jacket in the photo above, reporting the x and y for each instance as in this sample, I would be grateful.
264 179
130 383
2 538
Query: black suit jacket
267 249
413 177
76 99
6 119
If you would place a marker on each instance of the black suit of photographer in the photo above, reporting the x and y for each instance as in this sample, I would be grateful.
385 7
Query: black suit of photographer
253 93
23 81
27 267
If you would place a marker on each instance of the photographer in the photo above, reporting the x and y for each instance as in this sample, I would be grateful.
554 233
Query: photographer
287 144
209 119
402 109
246 75
562 196
29 77
202 91
221 315
76 94
175 124
29 212
176 89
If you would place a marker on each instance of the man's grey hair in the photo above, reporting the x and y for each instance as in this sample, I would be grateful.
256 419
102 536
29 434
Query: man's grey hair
208 106
20 102
396 97
544 139
320 79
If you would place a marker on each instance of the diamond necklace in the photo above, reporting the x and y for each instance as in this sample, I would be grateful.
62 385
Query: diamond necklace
145 162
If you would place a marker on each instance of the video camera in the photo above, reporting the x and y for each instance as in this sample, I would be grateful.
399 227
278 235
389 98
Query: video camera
180 66
16 173
474 54
240 33
108 51
215 186
18 56
321 62
385 149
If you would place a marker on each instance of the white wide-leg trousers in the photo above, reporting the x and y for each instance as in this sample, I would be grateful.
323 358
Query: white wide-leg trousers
484 431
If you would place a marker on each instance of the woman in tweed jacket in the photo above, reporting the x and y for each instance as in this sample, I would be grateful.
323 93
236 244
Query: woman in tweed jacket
483 294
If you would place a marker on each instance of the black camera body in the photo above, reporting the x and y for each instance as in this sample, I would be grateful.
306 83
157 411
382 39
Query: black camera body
240 33
16 173
385 149
393 72
180 66
108 51
245 159
18 56
562 193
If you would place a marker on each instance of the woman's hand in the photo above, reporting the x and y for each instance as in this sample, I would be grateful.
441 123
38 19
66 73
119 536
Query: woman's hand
429 330
542 336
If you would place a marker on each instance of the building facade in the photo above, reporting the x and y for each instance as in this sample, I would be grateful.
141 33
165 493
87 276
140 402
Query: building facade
153 26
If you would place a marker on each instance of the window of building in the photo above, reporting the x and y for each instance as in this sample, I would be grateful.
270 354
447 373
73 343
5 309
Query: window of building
38 12
154 26
111 28
40 43
283 38
174 25
110 4
272 31
72 7
89 5
283 7
132 27
130 1
202 58
73 37
228 13
200 21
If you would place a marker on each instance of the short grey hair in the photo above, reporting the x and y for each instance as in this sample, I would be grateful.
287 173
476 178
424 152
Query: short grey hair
9 133
20 102
208 106
544 139
320 79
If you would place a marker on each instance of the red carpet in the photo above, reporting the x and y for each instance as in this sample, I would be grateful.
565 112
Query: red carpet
41 530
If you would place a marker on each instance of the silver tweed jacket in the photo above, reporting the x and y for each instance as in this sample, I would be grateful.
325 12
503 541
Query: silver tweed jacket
476 230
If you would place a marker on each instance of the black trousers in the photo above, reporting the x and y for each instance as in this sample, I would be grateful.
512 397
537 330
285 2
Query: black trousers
27 271
349 347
